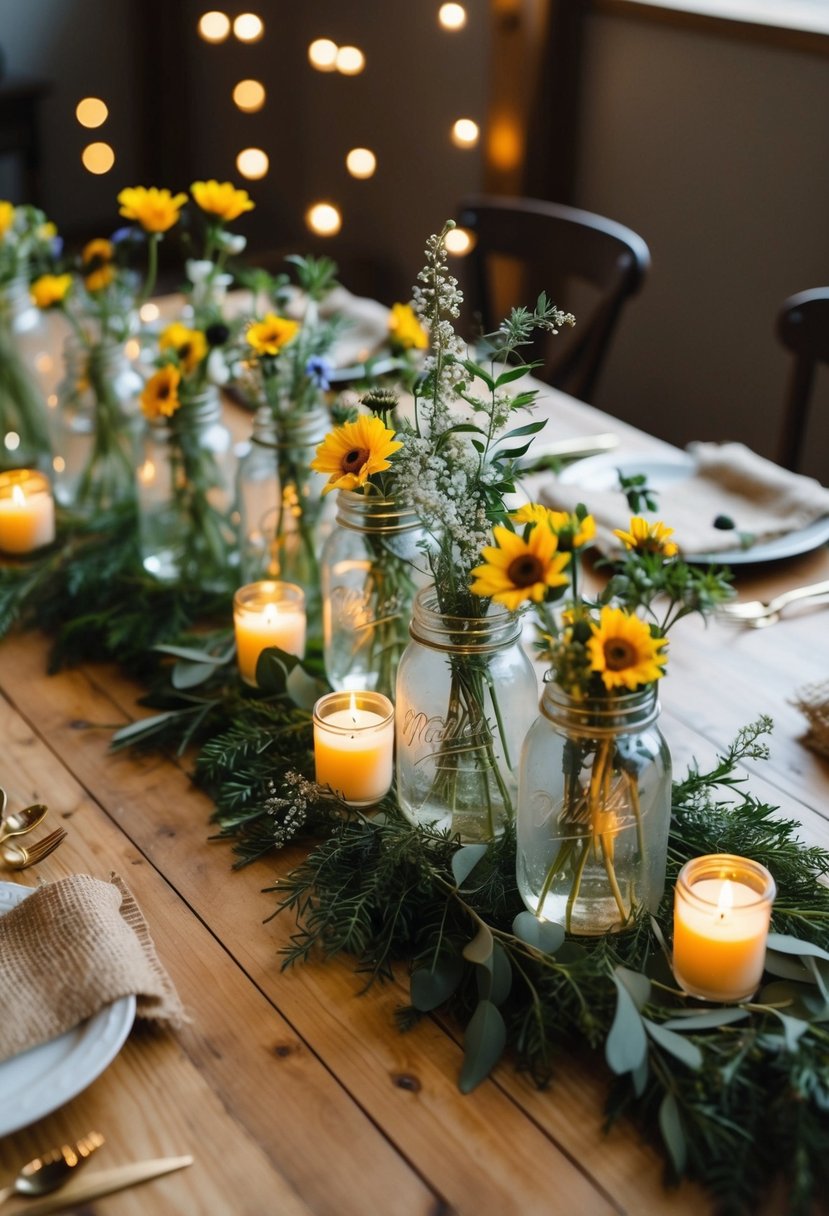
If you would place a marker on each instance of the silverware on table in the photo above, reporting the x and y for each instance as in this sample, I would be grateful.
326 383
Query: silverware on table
51 1171
759 613
18 856
105 1182
17 823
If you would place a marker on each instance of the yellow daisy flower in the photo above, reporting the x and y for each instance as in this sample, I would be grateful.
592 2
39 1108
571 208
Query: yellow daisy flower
623 651
515 569
50 289
96 268
221 199
268 336
648 538
190 345
352 452
160 397
47 231
571 531
6 217
405 329
155 210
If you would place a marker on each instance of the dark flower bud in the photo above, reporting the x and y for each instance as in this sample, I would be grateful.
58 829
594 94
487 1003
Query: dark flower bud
217 334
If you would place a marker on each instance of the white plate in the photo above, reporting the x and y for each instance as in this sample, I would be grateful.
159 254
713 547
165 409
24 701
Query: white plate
40 1080
601 473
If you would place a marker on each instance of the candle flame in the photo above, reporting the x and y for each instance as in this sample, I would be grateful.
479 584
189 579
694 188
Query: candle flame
270 614
18 497
726 900
352 708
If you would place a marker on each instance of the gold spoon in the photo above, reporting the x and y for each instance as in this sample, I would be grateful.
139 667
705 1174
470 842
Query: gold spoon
53 1169
20 822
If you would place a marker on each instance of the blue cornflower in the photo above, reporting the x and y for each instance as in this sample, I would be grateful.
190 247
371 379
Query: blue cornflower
318 369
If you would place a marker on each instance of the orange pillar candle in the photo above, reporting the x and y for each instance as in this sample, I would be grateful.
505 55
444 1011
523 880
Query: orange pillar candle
27 511
267 613
354 745
722 909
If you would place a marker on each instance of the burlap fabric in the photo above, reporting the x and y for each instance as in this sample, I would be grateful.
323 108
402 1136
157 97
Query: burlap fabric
69 949
813 702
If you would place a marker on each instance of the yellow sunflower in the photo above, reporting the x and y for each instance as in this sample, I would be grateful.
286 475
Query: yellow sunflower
50 289
352 452
648 538
623 651
155 210
6 217
405 329
160 397
190 345
268 336
515 569
221 199
96 267
571 531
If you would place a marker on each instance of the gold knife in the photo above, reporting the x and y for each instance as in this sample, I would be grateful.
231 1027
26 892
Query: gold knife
87 1187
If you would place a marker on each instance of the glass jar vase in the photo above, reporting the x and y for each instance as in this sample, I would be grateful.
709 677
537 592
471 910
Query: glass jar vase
185 492
466 696
26 377
372 564
283 516
96 428
594 805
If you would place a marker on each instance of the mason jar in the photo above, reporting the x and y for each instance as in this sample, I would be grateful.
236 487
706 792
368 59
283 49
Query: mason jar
594 805
28 373
466 697
373 563
185 490
96 427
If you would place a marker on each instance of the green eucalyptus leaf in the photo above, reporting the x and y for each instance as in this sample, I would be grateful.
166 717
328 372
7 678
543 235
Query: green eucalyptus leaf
431 988
639 1076
571 952
678 1047
191 655
465 859
273 668
143 726
638 985
513 373
783 943
670 1125
495 976
544 935
627 1043
479 950
190 674
304 689
708 1019
820 971
793 1029
787 967
483 1045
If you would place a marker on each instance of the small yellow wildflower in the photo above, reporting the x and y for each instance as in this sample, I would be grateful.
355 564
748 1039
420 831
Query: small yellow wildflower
6 217
268 336
155 210
190 345
572 532
516 570
624 652
160 397
648 538
50 289
352 452
405 330
47 231
221 199
96 264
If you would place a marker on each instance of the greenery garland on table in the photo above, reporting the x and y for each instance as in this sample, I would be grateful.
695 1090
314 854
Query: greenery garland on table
732 1093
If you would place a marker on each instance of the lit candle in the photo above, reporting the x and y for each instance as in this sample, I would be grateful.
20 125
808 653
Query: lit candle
27 511
354 745
722 908
266 614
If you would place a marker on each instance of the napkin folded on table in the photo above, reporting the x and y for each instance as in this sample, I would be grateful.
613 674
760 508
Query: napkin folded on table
70 948
762 499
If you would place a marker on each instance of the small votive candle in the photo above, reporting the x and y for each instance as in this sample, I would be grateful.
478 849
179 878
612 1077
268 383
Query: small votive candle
354 745
27 511
722 909
267 613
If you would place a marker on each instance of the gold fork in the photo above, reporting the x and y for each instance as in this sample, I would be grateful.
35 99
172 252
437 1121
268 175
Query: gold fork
18 856
53 1169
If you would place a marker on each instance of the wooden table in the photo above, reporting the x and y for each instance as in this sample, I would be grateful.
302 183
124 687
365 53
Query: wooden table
294 1092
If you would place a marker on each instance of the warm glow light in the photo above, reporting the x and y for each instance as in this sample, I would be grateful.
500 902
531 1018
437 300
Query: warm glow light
324 219
350 60
452 16
214 26
322 55
98 158
149 312
11 441
252 163
465 133
361 162
505 145
459 241
132 348
44 363
146 473
58 464
248 27
91 112
52 400
725 903
249 95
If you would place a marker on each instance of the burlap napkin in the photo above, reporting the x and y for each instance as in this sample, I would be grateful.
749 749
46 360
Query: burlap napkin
69 949
728 482
813 702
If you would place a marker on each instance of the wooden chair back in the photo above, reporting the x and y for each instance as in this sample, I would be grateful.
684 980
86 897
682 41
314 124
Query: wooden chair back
803 328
